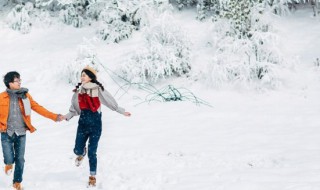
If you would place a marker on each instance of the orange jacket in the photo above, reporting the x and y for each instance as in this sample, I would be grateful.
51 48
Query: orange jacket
4 112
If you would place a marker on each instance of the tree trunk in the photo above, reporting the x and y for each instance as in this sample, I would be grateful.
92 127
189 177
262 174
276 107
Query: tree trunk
317 7
314 7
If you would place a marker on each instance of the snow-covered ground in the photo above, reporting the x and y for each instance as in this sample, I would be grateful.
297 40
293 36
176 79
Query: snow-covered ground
246 141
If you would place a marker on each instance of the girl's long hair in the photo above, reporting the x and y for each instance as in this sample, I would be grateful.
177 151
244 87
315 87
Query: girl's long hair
92 77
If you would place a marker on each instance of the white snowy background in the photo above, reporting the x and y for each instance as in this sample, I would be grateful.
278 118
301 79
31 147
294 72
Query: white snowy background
249 139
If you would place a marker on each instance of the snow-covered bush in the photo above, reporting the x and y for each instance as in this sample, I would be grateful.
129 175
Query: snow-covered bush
120 18
114 25
115 32
166 53
206 8
252 60
240 65
145 12
281 7
94 9
70 15
117 21
42 18
86 55
19 17
185 3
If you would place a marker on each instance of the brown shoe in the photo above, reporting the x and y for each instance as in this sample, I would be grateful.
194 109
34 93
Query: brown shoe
17 186
80 158
78 161
8 169
92 181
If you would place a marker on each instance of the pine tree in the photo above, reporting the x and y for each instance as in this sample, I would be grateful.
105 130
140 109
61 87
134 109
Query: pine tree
238 12
206 8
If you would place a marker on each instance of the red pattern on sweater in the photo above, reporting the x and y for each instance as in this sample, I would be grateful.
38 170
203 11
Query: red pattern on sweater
88 102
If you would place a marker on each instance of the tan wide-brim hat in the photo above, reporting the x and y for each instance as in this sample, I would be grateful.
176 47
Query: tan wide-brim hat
92 70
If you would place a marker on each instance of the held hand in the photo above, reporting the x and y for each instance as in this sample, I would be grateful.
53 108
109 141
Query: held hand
61 118
128 114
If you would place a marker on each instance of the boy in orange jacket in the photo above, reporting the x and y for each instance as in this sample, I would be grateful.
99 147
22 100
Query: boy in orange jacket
15 109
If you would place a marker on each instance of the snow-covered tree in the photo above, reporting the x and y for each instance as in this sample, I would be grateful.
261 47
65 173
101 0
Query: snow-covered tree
70 15
207 8
282 7
166 53
251 58
120 18
238 13
115 25
185 3
19 17
86 55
